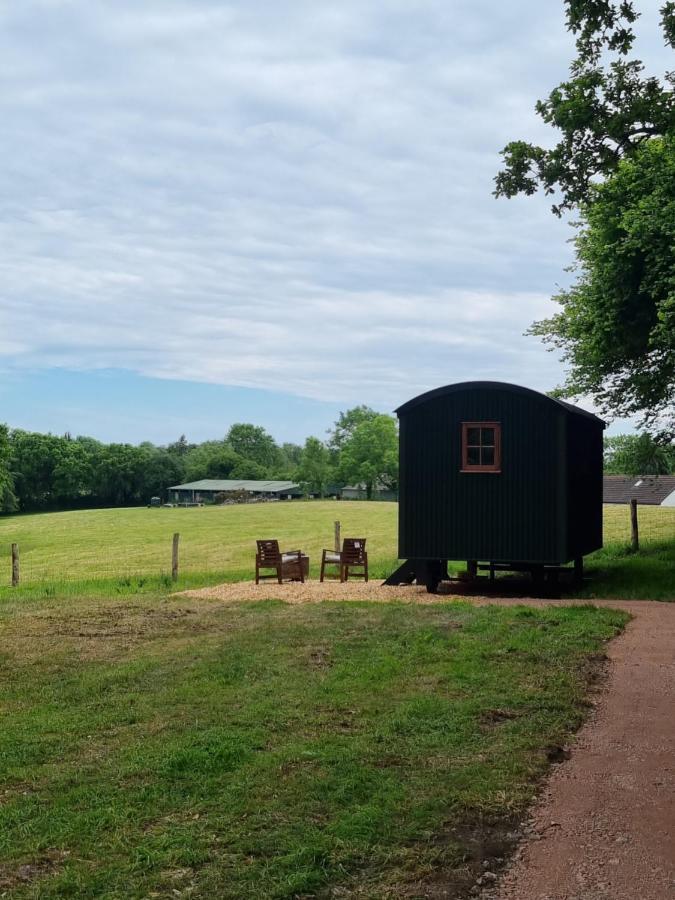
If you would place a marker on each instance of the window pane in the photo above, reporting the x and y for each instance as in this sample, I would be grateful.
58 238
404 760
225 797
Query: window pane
473 436
473 456
488 436
488 456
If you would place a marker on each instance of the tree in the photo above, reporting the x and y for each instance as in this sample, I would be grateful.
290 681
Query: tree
604 112
181 447
160 470
73 474
291 454
249 469
346 424
251 442
632 454
314 468
7 497
370 455
119 474
616 326
33 460
212 459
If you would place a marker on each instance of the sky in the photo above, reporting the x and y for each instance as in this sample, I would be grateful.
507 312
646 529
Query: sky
214 212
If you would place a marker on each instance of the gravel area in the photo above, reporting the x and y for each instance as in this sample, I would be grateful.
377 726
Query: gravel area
315 592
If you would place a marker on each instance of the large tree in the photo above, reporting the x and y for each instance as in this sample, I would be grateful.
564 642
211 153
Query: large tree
212 459
347 423
615 163
253 443
616 325
314 469
370 455
604 112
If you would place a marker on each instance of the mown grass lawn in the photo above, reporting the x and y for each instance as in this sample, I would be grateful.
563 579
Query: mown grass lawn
124 551
166 746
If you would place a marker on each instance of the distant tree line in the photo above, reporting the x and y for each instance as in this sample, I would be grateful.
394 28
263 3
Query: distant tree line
48 472
638 454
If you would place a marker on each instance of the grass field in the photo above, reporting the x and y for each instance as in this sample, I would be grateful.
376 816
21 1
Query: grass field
118 550
159 746
165 747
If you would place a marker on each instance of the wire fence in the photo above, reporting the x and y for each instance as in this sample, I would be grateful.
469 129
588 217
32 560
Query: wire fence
30 566
110 554
655 525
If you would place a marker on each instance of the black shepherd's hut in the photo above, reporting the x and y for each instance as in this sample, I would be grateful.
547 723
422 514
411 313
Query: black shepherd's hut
496 474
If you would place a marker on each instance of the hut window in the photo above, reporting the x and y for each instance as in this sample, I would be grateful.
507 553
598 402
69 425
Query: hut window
481 447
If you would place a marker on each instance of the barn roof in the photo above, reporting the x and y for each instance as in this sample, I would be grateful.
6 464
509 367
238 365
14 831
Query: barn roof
219 484
493 386
653 490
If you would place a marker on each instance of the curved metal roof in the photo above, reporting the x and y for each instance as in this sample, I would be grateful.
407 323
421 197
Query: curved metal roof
493 386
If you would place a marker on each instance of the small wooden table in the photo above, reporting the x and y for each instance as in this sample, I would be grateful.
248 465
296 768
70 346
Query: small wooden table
289 567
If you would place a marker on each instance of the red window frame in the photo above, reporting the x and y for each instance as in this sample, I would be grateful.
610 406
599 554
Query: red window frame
496 465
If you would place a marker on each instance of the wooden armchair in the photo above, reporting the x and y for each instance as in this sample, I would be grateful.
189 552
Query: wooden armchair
290 564
352 556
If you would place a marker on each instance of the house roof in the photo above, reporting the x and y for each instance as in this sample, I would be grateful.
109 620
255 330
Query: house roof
654 490
495 386
219 484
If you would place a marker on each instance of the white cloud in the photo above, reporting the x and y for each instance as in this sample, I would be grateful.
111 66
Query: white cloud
288 196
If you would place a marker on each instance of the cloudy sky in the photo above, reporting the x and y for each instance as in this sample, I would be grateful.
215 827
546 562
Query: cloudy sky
220 211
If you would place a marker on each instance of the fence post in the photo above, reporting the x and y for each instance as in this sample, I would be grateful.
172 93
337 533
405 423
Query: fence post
15 565
174 557
337 537
634 536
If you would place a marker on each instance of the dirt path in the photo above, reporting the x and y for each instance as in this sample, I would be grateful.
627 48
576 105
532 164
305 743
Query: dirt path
604 826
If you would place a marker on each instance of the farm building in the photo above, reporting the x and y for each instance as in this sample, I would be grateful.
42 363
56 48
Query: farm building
652 490
358 492
496 474
207 489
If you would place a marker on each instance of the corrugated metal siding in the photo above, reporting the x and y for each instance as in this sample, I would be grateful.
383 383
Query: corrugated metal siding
516 515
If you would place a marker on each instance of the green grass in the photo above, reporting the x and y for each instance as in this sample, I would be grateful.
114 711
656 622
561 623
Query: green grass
168 746
114 543
123 551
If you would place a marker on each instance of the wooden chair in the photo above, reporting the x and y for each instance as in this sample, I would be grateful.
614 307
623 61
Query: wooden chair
290 564
352 556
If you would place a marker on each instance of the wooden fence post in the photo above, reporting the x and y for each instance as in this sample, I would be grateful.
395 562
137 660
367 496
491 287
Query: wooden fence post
15 565
174 557
338 546
634 536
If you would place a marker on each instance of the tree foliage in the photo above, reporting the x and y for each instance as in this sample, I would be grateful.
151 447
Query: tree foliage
7 497
47 471
604 112
314 469
212 459
251 442
615 163
616 326
347 422
633 454
370 455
